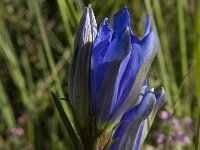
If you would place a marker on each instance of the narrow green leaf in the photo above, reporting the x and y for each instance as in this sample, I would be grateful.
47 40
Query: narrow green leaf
197 51
66 21
182 44
6 108
66 121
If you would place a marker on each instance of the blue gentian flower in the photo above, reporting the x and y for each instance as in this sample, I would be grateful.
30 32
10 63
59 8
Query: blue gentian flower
120 62
107 83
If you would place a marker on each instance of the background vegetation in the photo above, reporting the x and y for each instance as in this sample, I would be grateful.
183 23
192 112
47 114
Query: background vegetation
36 46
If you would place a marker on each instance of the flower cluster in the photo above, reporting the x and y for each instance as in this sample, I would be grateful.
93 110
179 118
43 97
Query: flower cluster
179 132
107 83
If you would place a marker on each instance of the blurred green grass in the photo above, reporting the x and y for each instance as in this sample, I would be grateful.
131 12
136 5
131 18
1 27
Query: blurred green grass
36 46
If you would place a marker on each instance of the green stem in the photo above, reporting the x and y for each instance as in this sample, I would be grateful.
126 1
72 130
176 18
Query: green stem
6 108
65 18
197 51
182 43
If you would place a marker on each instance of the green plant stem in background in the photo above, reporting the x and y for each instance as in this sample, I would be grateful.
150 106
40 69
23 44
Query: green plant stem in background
28 72
6 108
197 52
74 17
196 60
197 143
66 19
182 46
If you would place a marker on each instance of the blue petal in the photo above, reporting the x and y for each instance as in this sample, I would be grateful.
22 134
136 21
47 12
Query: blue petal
101 44
160 99
132 123
100 47
104 34
147 28
120 21
139 137
108 74
142 56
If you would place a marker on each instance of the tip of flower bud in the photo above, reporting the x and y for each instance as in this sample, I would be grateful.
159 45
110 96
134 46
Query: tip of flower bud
151 90
87 29
161 97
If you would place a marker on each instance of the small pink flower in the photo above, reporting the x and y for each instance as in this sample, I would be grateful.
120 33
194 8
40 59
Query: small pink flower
164 115
18 132
160 138
176 123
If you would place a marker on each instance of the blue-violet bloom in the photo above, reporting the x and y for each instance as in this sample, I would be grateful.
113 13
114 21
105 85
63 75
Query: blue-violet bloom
107 81
119 65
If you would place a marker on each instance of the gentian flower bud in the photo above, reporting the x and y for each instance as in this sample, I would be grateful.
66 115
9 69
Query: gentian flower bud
79 93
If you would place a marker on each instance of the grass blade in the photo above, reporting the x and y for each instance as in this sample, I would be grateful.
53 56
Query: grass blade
6 108
182 44
65 17
197 51
66 121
